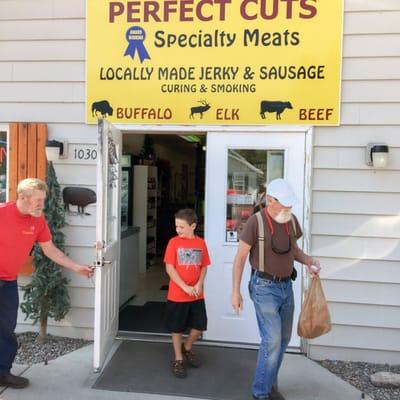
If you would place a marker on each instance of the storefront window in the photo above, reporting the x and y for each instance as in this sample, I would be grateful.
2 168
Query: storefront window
113 176
3 167
248 172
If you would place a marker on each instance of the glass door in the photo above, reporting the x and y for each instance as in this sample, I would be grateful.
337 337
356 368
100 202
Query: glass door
238 167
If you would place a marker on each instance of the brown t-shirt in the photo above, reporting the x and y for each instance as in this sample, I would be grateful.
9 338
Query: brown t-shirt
275 264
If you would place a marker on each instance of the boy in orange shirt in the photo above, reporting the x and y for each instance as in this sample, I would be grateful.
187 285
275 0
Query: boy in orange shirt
186 259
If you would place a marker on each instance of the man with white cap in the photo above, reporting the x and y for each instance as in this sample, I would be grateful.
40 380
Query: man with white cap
270 284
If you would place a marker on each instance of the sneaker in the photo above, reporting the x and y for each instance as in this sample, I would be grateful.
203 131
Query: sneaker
178 369
261 397
190 357
13 381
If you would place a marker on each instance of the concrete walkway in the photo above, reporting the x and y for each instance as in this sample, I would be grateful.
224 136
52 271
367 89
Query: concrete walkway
70 377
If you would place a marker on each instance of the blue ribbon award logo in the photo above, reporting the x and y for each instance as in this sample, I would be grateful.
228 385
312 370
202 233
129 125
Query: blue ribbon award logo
135 36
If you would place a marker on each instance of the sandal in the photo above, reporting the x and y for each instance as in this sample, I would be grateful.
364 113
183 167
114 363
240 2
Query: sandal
190 357
178 369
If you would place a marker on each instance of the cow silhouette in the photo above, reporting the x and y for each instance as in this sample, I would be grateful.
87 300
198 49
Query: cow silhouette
200 109
274 107
103 107
78 196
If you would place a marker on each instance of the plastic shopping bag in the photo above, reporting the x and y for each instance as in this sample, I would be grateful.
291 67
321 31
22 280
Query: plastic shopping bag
314 318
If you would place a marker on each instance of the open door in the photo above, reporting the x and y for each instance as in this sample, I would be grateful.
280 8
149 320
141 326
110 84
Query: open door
107 240
237 165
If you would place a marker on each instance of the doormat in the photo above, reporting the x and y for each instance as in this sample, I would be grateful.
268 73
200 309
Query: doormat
146 318
145 367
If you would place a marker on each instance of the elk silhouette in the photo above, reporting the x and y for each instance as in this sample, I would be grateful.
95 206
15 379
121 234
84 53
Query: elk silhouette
200 109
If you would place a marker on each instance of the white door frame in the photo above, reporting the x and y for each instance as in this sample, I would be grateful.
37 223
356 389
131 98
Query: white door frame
308 131
307 215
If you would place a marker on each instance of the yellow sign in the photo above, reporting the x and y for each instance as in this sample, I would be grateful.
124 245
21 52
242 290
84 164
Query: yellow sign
216 62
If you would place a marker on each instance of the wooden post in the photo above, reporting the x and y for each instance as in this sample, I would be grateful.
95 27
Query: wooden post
27 159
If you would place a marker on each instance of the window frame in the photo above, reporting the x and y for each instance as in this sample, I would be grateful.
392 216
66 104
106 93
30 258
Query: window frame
6 129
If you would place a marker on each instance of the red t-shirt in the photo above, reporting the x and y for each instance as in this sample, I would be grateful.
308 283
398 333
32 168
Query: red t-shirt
188 256
18 233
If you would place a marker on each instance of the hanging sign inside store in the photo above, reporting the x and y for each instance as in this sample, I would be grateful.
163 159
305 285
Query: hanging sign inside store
214 62
3 154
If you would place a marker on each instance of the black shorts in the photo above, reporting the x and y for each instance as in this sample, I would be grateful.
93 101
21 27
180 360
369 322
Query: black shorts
180 316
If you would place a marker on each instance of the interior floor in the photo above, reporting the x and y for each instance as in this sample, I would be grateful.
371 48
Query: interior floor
152 285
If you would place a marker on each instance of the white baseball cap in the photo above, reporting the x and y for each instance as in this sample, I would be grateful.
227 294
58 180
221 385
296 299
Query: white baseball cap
282 191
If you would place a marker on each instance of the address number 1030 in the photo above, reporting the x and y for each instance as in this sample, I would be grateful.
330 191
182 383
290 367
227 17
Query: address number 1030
85 154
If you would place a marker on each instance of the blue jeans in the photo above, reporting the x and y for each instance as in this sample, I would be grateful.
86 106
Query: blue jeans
274 305
8 321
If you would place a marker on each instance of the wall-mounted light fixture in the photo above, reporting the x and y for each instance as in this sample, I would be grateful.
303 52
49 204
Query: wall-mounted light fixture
377 155
56 150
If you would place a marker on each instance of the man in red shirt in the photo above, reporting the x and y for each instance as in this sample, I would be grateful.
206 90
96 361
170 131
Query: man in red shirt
21 225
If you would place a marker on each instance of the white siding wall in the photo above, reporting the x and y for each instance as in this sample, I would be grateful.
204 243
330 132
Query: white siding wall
355 209
42 78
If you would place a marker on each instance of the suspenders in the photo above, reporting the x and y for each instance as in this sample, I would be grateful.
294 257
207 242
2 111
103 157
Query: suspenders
261 237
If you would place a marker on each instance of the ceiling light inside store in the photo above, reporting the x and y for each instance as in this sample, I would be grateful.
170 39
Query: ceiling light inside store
190 138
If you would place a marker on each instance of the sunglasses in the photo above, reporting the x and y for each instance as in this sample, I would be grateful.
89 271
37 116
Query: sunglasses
281 251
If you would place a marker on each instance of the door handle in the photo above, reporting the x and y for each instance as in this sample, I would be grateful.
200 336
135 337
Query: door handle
101 263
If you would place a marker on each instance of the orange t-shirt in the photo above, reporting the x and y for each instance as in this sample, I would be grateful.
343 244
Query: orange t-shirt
188 256
18 233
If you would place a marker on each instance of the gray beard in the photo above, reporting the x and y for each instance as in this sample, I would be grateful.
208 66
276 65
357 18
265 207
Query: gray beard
36 213
283 217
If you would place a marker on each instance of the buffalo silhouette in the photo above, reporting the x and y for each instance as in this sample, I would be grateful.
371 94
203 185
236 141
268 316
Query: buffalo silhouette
103 107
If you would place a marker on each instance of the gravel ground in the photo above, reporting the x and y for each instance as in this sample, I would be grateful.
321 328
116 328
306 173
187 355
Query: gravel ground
358 374
31 352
